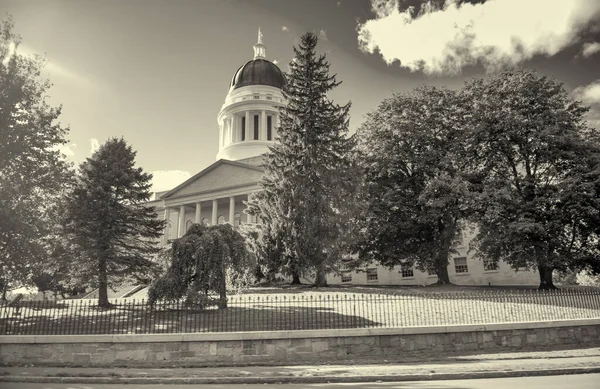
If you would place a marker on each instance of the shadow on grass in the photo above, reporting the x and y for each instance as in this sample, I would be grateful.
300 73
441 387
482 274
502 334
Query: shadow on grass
144 320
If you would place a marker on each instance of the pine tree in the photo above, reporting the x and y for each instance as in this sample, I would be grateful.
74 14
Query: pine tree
303 205
114 230
33 172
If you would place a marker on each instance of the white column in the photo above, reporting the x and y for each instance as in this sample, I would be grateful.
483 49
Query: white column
275 124
249 129
214 213
232 210
232 137
263 125
180 230
167 217
198 212
248 216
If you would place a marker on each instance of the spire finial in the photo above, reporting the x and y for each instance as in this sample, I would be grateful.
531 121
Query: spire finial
260 51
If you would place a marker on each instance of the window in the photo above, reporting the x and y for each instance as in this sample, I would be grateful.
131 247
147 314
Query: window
407 271
188 225
372 274
255 127
490 265
269 97
346 276
460 265
243 128
221 219
269 127
237 219
256 97
205 222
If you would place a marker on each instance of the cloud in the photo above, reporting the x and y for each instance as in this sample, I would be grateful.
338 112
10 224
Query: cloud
168 179
339 3
94 144
68 150
590 49
284 29
275 61
590 95
495 33
323 35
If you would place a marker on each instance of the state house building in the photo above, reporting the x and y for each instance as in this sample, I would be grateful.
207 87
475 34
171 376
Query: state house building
247 125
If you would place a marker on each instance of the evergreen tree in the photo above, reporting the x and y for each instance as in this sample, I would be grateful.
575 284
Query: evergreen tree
306 187
33 172
115 232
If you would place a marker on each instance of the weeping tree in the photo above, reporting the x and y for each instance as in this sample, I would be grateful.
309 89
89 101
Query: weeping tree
204 262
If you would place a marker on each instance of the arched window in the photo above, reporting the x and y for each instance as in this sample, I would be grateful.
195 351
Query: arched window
221 220
188 225
237 219
205 221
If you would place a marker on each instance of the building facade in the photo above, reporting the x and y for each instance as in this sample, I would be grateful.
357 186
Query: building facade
247 125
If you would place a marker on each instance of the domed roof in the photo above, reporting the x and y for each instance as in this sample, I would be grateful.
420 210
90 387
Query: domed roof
258 72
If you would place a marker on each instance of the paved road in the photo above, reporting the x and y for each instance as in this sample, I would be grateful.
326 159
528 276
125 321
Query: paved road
583 381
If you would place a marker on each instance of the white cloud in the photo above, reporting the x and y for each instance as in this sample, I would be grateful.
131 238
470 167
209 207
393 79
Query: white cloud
590 49
284 28
168 179
495 33
94 145
339 3
275 61
68 150
590 95
323 35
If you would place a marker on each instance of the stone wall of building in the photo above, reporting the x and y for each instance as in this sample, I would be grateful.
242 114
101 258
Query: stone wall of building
292 347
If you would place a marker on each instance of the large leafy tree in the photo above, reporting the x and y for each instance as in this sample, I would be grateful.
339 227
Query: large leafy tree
204 262
537 165
33 172
306 190
114 230
414 193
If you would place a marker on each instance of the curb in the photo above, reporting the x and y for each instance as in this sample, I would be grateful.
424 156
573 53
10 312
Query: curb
299 380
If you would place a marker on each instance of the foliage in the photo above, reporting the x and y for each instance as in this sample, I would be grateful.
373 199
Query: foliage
414 192
113 229
204 262
307 186
33 172
537 166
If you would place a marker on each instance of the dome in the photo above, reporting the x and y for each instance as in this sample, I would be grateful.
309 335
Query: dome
258 72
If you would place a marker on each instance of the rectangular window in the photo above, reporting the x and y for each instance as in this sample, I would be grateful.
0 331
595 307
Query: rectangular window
407 271
460 265
346 276
490 265
269 127
372 274
255 127
243 128
256 97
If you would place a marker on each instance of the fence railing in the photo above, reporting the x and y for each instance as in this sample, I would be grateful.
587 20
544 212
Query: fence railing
303 311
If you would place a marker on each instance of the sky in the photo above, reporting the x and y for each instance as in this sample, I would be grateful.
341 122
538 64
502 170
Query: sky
157 72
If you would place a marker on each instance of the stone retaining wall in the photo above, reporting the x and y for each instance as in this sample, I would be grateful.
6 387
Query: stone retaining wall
290 347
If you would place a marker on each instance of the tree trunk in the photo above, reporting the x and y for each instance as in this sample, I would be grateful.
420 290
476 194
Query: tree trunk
441 267
102 284
296 278
321 279
546 281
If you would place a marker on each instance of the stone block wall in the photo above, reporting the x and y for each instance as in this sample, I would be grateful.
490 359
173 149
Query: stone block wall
292 347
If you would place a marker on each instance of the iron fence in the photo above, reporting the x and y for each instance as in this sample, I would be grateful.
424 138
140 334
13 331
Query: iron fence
301 311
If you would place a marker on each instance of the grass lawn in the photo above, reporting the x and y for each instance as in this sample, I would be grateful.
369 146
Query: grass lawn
303 307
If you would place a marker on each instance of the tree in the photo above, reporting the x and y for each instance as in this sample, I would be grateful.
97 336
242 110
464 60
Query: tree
537 164
33 172
414 192
304 202
114 231
203 262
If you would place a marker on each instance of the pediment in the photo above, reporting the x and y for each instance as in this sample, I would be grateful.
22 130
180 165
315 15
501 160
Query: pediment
220 175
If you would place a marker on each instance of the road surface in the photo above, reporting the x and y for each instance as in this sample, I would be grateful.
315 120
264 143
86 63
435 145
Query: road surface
582 381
